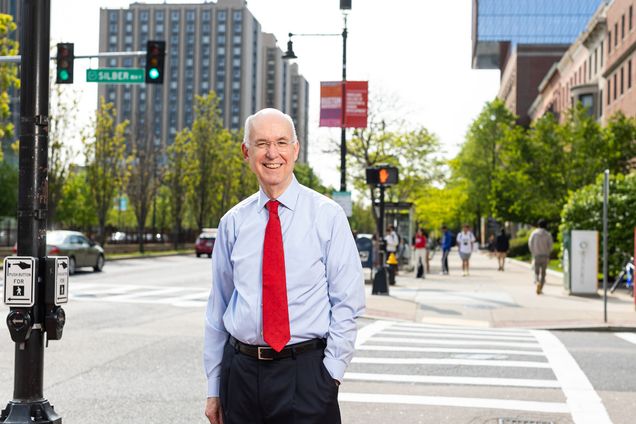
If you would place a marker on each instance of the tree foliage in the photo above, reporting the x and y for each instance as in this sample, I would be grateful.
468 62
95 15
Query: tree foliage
106 169
8 76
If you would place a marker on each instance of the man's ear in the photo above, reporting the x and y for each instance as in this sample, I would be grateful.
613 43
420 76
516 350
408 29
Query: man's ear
245 151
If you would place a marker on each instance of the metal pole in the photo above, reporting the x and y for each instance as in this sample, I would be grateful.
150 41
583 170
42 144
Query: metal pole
343 130
605 236
28 404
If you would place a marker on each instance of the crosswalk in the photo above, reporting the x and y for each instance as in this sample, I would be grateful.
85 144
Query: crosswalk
183 297
401 363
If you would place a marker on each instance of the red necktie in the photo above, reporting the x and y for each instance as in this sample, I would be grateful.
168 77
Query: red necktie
275 314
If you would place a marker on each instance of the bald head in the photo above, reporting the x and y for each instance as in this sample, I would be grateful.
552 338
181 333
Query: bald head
264 114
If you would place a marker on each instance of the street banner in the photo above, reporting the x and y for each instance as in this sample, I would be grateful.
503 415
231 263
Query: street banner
357 95
330 104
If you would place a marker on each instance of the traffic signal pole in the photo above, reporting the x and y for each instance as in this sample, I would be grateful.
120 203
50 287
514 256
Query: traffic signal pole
28 404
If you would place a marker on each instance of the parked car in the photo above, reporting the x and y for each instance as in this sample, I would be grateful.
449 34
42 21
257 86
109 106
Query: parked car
205 242
81 251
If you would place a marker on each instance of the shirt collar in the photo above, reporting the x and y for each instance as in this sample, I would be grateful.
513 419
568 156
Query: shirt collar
288 199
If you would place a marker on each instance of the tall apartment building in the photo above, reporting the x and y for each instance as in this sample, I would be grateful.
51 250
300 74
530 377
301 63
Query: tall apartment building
524 39
209 46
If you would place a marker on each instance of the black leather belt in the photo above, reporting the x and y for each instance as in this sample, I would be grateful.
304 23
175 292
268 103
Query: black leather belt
266 353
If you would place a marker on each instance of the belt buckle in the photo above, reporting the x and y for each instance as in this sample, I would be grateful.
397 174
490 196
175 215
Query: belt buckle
260 354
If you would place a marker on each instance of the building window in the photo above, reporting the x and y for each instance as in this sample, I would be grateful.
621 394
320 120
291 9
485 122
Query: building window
112 16
616 34
629 74
601 64
609 90
159 15
622 79
595 60
221 16
622 27
615 85
143 16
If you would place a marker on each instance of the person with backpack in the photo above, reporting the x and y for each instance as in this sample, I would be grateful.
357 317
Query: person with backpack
465 242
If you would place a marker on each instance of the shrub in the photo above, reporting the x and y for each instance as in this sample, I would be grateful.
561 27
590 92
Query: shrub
584 211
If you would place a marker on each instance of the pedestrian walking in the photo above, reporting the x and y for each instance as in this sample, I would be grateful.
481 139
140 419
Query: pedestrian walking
540 244
419 247
502 245
447 244
287 287
465 243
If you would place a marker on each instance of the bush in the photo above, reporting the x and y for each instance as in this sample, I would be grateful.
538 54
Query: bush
584 211
519 247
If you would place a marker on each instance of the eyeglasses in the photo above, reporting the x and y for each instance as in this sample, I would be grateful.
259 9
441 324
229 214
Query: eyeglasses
280 144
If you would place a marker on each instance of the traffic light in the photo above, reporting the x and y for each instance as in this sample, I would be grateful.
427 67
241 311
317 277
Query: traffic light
155 54
384 175
64 59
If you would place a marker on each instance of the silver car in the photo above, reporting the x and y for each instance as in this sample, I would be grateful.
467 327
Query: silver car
81 251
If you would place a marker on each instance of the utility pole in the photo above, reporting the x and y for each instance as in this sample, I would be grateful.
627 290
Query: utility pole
27 324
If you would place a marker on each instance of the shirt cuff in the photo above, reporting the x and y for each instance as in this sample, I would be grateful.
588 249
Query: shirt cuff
213 386
335 367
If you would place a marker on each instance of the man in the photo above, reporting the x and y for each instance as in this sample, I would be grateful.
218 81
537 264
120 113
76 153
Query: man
392 240
540 244
447 243
502 245
465 244
419 247
287 288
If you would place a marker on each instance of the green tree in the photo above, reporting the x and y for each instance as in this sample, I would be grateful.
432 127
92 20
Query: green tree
8 189
142 181
63 111
620 140
176 182
76 208
106 169
8 76
307 177
478 158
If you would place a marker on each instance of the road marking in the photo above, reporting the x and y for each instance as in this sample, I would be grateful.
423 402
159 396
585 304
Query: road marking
455 342
446 327
449 350
444 361
630 337
584 403
515 405
426 330
458 336
441 379
368 331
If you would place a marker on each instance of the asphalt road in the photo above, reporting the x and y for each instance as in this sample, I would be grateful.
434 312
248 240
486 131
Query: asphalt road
132 349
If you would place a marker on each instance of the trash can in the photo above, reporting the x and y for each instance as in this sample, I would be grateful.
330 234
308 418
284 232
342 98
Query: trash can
580 261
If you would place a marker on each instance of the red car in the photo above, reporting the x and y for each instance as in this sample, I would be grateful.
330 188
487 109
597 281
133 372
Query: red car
205 242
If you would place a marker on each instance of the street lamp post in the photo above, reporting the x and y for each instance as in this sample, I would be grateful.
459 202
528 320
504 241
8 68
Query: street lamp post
289 54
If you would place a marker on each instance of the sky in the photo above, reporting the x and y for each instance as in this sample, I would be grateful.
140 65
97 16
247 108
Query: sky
414 52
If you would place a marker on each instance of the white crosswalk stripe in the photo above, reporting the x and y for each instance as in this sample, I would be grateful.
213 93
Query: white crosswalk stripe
407 364
185 297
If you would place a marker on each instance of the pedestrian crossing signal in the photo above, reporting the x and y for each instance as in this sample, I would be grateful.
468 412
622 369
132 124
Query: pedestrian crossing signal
383 175
64 60
155 57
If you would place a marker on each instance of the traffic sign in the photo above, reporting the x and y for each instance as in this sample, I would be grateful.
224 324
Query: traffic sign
116 75
19 281
60 266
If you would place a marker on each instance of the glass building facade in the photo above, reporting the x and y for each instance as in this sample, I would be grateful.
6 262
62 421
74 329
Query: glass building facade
525 22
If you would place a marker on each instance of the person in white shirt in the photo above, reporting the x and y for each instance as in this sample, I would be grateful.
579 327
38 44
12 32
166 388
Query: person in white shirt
465 243
392 240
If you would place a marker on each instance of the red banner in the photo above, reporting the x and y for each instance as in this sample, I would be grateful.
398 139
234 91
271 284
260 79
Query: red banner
357 95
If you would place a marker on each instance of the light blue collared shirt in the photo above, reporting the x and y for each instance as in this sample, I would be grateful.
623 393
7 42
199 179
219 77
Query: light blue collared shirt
325 285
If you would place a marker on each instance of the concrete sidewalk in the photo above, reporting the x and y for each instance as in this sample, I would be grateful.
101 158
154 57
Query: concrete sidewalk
490 298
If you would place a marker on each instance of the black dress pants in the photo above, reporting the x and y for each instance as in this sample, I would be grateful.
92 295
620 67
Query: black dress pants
296 390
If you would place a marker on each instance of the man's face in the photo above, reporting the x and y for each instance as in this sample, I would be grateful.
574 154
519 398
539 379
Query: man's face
272 164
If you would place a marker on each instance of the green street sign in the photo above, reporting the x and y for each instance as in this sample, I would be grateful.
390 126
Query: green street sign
116 75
